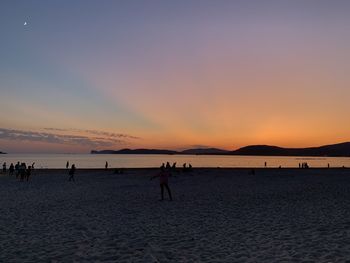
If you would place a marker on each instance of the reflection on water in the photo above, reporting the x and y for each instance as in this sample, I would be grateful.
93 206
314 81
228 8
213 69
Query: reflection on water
139 160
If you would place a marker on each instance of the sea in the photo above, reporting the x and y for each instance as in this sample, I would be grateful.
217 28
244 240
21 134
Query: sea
150 160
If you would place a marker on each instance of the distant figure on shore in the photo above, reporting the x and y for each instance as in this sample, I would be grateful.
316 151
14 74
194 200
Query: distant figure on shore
163 182
33 166
328 165
186 169
17 166
28 172
305 165
67 165
11 169
22 170
173 167
4 167
72 173
106 166
167 165
162 166
265 164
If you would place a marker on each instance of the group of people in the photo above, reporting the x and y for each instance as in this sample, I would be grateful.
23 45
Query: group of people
304 165
21 170
172 167
24 172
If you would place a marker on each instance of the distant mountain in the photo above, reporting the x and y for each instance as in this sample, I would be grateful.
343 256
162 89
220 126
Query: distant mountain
265 150
336 150
205 151
156 151
136 151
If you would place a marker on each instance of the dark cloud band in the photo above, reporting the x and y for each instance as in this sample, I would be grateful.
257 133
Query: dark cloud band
97 138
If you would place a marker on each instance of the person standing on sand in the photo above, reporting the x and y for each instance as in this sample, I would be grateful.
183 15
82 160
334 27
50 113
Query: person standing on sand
106 166
71 173
67 165
4 168
22 171
28 172
163 181
11 169
17 169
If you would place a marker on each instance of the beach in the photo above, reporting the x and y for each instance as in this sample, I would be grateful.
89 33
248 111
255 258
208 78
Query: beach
217 215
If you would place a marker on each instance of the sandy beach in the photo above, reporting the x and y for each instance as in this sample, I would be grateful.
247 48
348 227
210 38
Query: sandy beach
218 215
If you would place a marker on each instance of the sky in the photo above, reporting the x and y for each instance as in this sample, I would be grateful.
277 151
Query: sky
82 75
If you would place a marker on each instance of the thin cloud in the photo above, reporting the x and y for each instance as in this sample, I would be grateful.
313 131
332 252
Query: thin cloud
95 132
91 141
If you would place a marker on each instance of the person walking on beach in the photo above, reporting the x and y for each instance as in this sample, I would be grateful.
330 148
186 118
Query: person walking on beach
11 169
71 173
67 165
17 169
22 171
163 181
4 167
106 166
28 172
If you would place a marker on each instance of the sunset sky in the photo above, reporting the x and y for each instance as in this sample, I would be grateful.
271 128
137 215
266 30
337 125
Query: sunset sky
84 75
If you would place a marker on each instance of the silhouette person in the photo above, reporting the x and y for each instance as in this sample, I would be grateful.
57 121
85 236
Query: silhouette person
22 171
67 165
72 173
163 182
106 166
11 169
4 167
28 172
17 166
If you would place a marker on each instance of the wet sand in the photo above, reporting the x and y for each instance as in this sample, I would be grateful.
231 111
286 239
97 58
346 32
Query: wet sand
218 215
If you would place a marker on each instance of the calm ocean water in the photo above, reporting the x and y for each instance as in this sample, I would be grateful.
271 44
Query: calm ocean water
142 161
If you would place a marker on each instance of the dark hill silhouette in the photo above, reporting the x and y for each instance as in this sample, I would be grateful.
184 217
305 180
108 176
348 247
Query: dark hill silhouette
336 150
340 149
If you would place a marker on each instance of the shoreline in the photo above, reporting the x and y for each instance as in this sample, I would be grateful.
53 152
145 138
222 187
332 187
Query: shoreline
194 169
